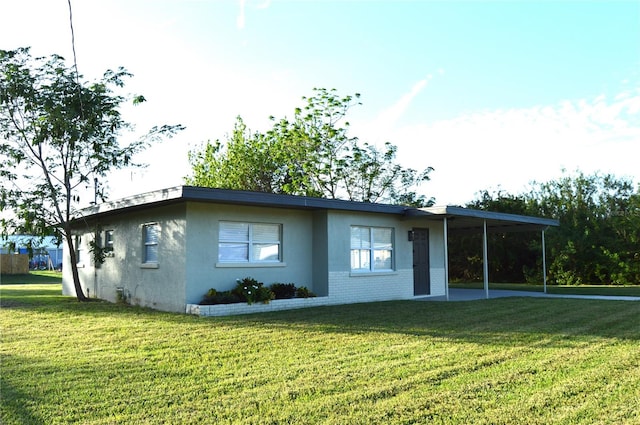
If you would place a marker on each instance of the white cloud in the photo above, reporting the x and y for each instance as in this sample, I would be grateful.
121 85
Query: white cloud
241 19
508 149
389 117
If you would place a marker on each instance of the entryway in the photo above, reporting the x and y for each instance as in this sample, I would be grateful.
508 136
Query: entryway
421 270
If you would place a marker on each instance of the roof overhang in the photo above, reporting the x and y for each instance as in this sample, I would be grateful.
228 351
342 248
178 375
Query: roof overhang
458 218
461 220
181 194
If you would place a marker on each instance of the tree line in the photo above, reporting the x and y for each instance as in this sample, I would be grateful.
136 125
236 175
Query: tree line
597 242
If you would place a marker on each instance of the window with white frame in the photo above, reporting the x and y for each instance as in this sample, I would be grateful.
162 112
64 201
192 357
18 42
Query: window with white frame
79 250
108 241
150 236
371 249
240 242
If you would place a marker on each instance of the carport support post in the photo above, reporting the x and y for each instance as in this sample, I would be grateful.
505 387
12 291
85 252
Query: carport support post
544 265
446 259
485 263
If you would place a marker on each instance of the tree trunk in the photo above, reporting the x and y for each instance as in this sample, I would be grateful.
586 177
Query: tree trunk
74 267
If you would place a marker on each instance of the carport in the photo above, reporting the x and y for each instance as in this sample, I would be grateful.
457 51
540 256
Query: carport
460 219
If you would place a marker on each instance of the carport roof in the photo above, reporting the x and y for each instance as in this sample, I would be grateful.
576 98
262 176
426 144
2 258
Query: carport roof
458 218
461 219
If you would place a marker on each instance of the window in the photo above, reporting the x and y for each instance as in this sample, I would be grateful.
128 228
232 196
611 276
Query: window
249 242
108 241
371 249
150 234
79 250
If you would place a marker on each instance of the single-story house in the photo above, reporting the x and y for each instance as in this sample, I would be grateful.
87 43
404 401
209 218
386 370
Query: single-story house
165 249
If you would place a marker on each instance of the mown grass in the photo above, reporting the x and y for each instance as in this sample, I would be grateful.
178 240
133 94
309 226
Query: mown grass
611 290
499 361
35 276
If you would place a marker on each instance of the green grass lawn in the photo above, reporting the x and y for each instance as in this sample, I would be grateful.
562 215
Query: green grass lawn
612 290
500 361
36 276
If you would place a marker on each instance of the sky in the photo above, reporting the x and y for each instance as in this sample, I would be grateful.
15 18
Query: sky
492 94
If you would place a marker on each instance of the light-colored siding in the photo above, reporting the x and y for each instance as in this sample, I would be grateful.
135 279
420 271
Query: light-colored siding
161 288
348 287
204 271
315 253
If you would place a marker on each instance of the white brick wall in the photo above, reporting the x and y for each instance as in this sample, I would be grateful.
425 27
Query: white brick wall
437 281
244 308
346 287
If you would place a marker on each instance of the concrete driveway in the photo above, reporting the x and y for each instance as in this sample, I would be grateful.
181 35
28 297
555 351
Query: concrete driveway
456 294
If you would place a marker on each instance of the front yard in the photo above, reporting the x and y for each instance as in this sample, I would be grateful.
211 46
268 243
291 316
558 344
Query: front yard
515 361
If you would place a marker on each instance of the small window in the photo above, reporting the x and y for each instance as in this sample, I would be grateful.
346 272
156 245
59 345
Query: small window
79 250
371 249
108 241
150 235
249 242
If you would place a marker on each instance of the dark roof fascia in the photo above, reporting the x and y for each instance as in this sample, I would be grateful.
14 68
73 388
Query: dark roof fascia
131 203
449 211
180 194
242 197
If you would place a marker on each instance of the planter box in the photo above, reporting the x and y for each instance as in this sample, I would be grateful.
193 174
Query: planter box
244 308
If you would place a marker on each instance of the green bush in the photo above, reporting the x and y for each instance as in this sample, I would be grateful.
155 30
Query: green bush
252 291
304 292
283 291
220 297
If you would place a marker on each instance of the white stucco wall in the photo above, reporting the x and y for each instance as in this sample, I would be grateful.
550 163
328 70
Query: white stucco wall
203 269
158 286
315 253
85 266
347 287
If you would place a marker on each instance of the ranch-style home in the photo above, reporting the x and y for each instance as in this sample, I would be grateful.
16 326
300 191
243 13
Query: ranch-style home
165 249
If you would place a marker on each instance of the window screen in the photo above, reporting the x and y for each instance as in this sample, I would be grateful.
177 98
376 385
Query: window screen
371 248
151 237
249 242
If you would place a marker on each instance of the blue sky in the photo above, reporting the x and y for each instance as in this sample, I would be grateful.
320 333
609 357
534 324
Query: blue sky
491 94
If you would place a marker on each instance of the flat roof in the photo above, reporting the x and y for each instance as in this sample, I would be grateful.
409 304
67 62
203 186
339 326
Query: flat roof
457 217
467 219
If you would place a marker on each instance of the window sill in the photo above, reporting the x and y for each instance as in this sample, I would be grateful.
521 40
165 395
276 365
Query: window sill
249 265
369 274
149 265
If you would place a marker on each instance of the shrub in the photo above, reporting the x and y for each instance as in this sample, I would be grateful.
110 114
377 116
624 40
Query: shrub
223 297
252 291
283 290
304 292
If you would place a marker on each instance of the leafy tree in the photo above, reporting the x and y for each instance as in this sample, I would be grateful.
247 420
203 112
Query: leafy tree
598 240
599 234
246 162
312 155
58 135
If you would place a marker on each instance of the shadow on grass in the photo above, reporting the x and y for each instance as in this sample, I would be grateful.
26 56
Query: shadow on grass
13 409
31 278
496 321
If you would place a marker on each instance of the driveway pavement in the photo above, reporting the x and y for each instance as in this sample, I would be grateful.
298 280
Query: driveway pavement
456 294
